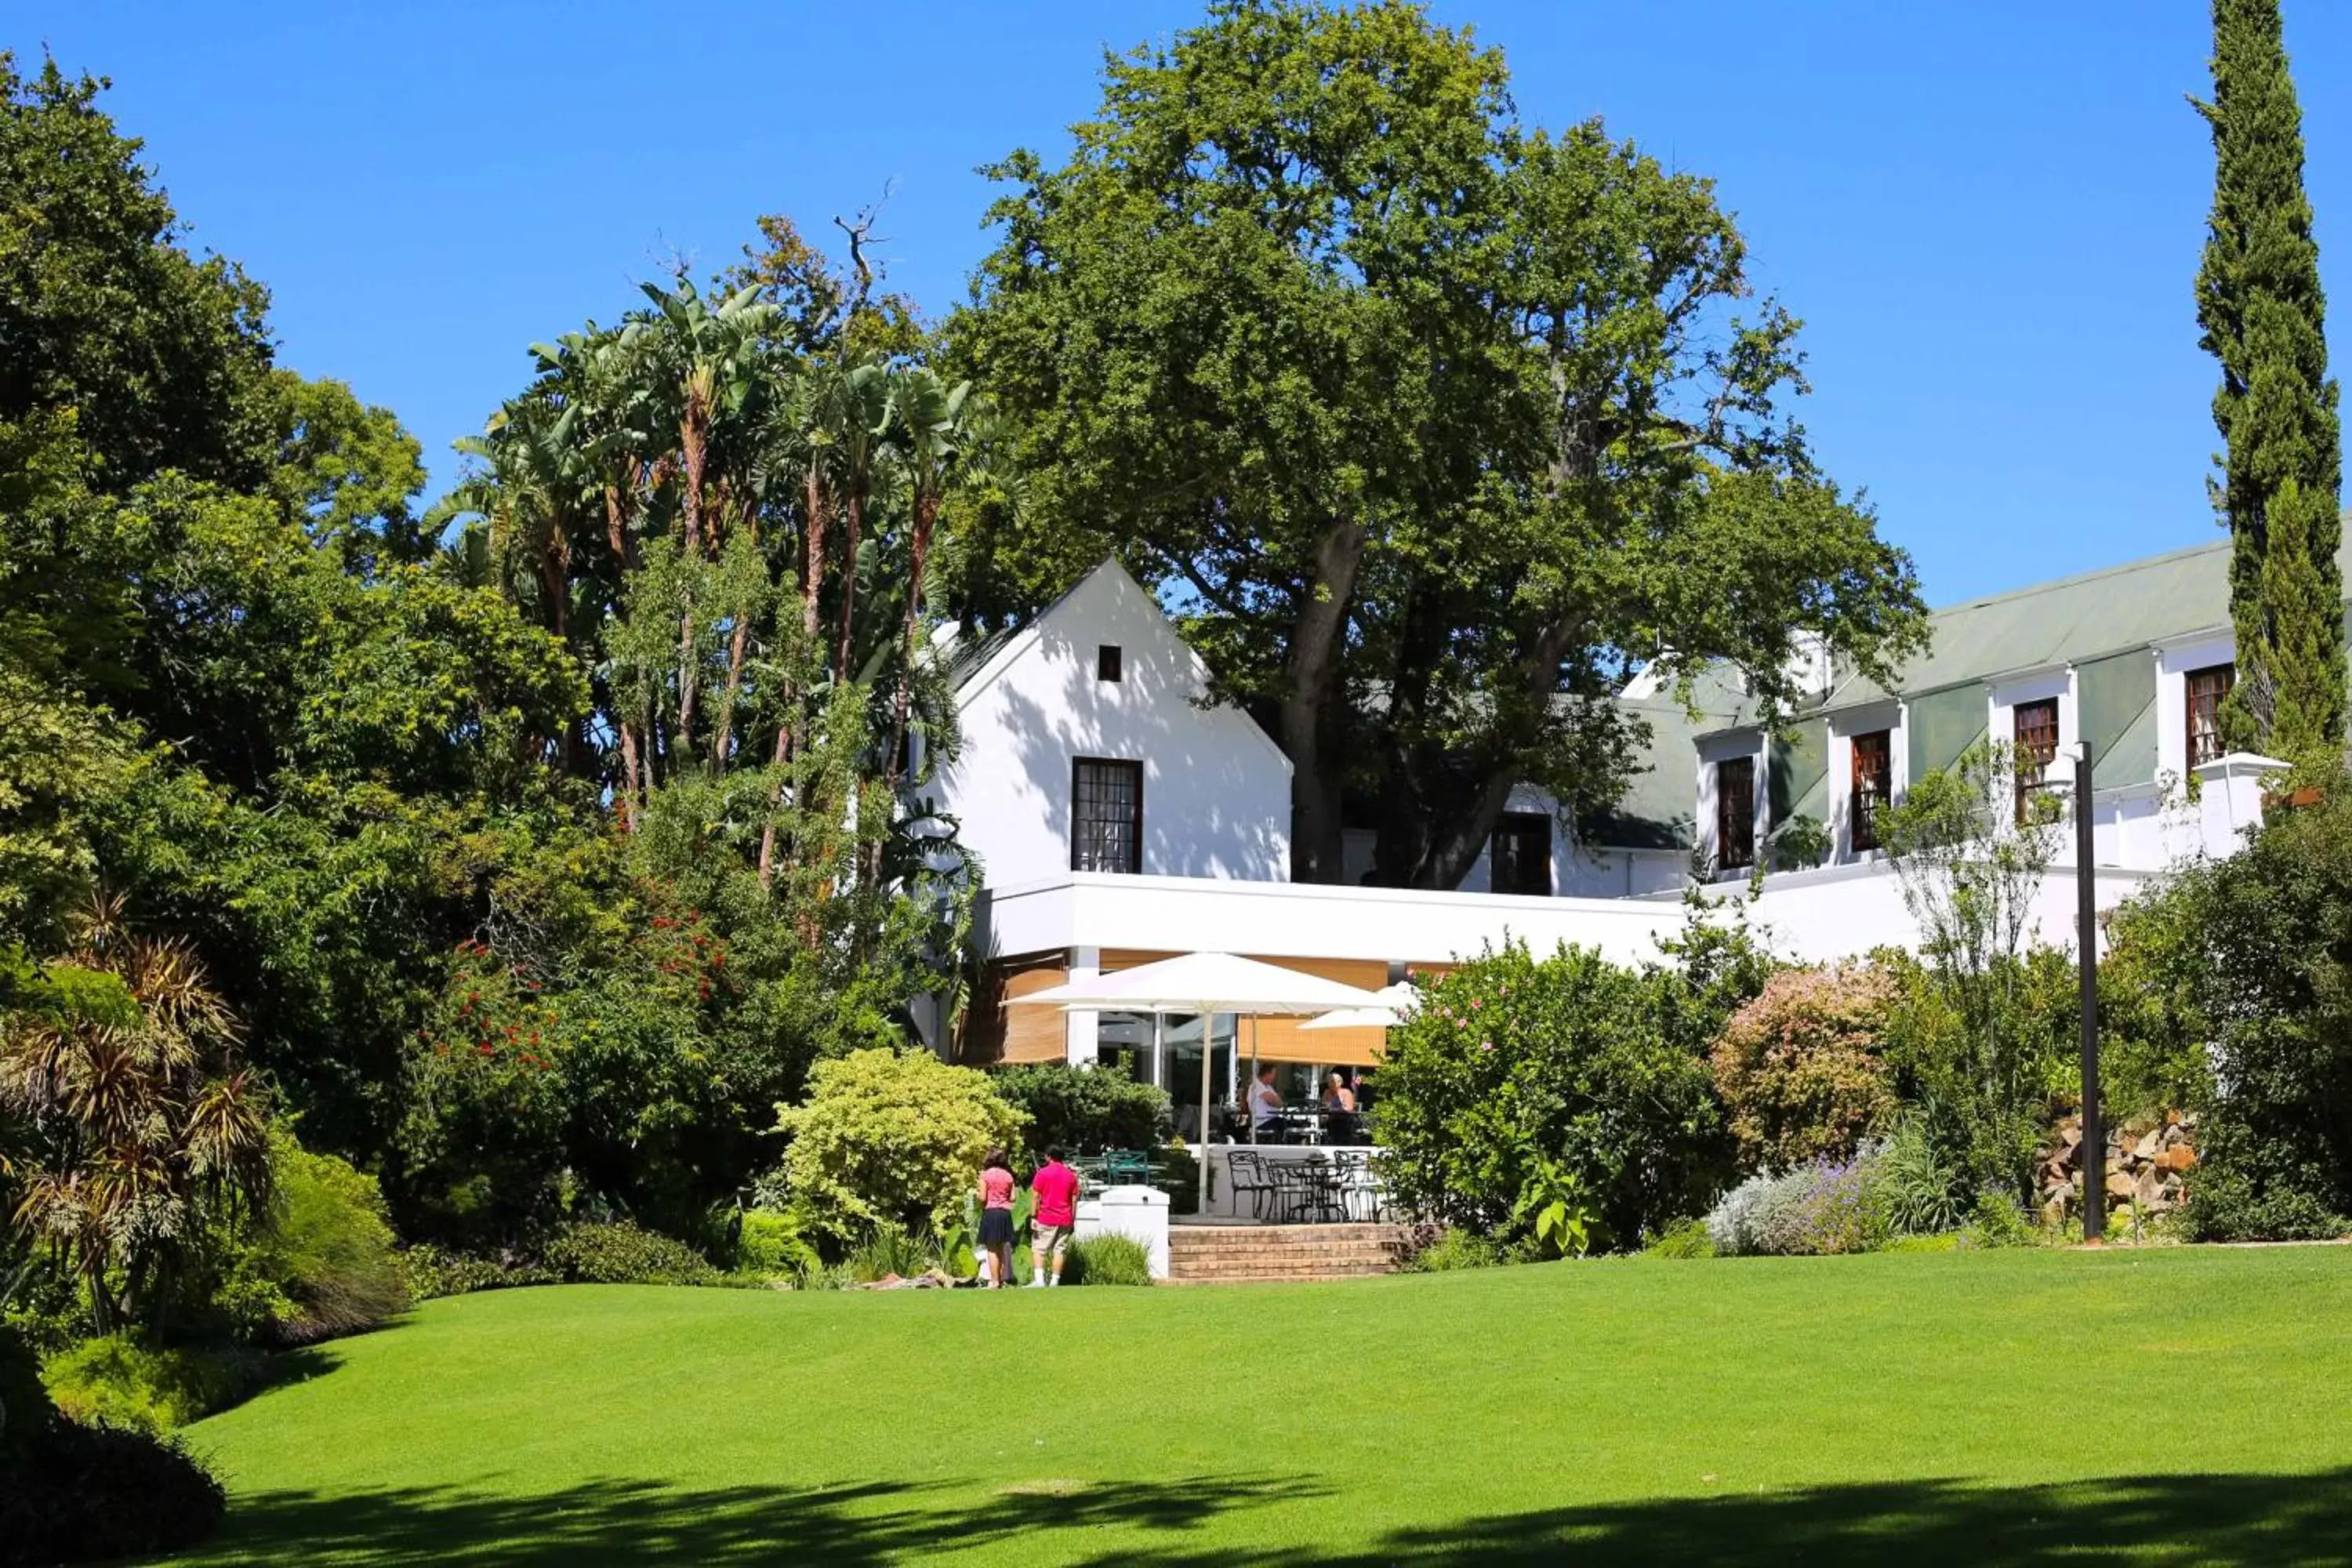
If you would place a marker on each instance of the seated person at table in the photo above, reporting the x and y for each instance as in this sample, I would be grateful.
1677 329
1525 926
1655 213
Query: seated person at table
1339 1110
1264 1102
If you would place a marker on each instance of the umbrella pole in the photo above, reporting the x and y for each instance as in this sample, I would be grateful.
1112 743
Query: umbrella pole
1208 1039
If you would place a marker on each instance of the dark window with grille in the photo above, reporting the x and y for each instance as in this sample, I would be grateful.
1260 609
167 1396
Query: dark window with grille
1107 661
1873 782
1518 856
1735 813
2035 731
2206 688
1106 816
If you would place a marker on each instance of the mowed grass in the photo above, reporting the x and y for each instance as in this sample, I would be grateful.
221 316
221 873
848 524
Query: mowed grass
2183 1405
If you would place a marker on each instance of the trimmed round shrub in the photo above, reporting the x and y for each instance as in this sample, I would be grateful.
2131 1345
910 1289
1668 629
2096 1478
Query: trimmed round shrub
1511 1062
1085 1109
615 1252
85 1493
892 1138
1107 1259
1800 1069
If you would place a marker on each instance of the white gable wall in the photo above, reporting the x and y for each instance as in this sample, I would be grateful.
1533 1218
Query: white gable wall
1216 789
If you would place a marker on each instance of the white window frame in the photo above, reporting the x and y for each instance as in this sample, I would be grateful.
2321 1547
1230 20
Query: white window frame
2174 659
2004 696
1731 746
1844 728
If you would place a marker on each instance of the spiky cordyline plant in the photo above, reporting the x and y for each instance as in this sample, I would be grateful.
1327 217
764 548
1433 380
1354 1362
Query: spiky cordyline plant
142 1123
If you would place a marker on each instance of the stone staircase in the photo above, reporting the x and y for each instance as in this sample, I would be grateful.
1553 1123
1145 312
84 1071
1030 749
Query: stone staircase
1221 1254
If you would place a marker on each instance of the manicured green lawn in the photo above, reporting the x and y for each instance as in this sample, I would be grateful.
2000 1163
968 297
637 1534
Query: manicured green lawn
2185 1406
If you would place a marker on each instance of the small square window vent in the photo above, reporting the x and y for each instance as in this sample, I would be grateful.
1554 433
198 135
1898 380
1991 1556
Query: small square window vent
1107 661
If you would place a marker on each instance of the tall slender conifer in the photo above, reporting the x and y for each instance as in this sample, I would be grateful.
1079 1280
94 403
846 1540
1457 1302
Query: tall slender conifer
2262 311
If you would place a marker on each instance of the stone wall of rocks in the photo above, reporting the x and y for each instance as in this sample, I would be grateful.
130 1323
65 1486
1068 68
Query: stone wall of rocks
2148 1162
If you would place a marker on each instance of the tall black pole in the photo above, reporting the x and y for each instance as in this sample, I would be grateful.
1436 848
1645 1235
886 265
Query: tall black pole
2086 961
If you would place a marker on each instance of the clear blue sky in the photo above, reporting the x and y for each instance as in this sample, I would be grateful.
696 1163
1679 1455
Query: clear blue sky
1987 213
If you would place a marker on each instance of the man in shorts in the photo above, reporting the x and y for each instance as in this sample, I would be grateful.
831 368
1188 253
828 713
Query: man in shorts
1055 1187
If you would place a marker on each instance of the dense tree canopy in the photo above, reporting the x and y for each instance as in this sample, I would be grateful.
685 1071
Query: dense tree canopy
1436 425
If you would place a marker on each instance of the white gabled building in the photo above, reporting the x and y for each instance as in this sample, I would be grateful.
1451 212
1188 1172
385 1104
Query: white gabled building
1119 816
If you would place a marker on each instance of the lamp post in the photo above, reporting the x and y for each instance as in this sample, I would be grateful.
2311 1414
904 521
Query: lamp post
2086 970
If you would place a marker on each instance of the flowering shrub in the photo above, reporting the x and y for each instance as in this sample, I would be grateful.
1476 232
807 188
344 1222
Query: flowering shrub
1821 1207
1799 1069
1511 1061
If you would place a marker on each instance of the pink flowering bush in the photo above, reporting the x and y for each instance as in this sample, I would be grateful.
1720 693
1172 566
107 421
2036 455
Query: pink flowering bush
1800 1069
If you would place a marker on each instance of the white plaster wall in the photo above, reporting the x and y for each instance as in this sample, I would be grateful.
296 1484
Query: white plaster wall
1216 789
1820 917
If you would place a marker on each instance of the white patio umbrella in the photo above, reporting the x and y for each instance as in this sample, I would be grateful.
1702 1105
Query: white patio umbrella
1203 983
1396 1004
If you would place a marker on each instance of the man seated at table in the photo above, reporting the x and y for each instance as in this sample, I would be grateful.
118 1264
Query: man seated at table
1265 1105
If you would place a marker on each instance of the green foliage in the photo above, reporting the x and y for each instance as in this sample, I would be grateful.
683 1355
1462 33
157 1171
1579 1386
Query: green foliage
1684 1238
1511 1059
122 1381
1453 1249
430 1272
92 1493
615 1252
890 1138
1555 1213
1084 1109
772 1244
2263 316
1925 1194
1800 1069
1107 1259
1984 1095
887 1249
1232 301
2236 974
319 1261
25 1409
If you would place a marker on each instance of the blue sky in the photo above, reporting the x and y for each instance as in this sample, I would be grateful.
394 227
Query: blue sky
1987 213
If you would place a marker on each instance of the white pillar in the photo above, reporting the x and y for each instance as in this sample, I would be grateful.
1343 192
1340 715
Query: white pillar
1086 966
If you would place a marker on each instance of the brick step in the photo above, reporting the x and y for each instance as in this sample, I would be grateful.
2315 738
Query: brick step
1218 1255
1262 1269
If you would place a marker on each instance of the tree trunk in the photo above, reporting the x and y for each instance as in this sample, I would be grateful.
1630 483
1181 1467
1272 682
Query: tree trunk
926 512
738 645
856 517
1302 715
692 450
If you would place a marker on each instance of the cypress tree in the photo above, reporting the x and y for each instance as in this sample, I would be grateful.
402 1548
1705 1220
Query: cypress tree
2261 309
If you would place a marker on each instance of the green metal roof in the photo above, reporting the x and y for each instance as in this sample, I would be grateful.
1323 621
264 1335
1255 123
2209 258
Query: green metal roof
2064 622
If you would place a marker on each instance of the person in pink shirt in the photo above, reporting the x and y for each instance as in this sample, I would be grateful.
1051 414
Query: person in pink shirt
996 1189
1050 1228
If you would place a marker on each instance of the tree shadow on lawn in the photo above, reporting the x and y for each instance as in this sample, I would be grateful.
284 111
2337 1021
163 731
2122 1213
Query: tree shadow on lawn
637 1520
2227 1520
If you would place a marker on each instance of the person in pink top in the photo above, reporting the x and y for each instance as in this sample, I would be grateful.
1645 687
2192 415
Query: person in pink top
1050 1228
996 1189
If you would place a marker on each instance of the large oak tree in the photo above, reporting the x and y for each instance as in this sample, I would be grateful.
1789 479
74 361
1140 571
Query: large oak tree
1434 425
